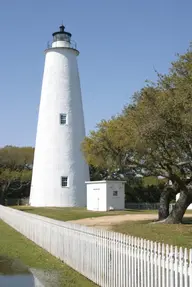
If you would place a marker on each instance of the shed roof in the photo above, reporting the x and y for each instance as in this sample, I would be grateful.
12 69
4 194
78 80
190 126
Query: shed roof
104 181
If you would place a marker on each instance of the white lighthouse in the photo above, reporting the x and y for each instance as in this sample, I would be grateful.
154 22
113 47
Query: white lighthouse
59 169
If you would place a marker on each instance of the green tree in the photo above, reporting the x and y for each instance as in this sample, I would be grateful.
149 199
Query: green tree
153 137
98 173
105 149
15 170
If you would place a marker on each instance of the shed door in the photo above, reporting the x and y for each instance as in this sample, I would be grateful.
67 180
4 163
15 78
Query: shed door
96 199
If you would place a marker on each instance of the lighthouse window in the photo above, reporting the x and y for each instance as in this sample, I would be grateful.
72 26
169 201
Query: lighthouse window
64 181
63 119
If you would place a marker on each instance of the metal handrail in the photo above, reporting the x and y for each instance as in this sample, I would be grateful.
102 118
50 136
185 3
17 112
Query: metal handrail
73 44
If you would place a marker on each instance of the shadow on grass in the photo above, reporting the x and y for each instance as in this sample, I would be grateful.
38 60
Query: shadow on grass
140 210
187 220
26 209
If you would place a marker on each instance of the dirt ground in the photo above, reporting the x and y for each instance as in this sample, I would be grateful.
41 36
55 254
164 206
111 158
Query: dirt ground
107 222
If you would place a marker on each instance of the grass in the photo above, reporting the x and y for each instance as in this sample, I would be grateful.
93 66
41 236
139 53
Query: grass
177 234
15 245
71 213
174 234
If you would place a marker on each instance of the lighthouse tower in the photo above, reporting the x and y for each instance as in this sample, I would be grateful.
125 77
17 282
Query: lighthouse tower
59 169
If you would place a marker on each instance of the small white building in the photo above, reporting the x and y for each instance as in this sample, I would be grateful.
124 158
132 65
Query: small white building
105 195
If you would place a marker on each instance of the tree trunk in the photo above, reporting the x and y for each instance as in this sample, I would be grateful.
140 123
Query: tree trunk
3 192
164 204
2 197
166 196
179 209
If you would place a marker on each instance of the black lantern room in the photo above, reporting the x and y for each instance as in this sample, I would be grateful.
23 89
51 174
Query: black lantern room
62 35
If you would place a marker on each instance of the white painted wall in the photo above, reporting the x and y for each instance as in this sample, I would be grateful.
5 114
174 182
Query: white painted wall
58 147
60 44
116 202
96 196
100 195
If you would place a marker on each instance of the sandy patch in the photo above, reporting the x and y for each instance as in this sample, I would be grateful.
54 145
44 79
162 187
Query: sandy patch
107 222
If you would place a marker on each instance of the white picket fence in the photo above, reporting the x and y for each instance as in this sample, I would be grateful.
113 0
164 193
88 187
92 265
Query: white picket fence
109 259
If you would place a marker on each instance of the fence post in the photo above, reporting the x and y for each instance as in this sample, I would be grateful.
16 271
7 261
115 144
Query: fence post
107 258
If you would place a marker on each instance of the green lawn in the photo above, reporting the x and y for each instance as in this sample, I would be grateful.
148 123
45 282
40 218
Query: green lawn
180 235
175 234
15 245
71 213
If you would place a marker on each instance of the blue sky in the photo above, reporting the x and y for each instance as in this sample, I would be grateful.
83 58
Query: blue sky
120 43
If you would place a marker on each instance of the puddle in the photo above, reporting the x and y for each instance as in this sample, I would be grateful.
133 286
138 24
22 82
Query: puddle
13 273
17 281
